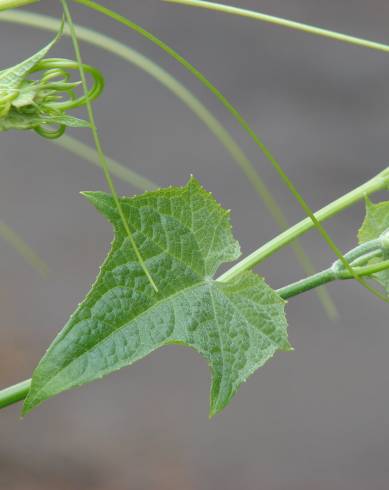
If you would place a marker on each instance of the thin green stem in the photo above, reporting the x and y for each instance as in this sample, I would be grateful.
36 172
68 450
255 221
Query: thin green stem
327 276
361 261
120 171
14 394
197 107
306 284
23 249
359 255
379 182
367 270
299 26
99 148
361 251
243 123
11 4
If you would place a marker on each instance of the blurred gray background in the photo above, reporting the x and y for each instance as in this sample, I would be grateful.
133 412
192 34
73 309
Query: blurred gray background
314 418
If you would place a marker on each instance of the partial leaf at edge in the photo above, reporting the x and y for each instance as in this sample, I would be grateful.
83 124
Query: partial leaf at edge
375 223
12 77
20 121
184 236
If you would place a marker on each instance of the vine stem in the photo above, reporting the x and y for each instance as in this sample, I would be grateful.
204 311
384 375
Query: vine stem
120 171
99 148
11 4
326 276
14 394
290 24
360 255
377 183
23 249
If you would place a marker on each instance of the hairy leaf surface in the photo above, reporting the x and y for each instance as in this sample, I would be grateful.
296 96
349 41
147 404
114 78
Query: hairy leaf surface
184 236
375 224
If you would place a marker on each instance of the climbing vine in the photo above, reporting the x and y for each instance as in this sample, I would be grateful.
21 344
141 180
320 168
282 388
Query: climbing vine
158 284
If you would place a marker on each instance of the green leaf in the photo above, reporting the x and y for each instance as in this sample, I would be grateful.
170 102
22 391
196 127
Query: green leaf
184 236
12 78
375 224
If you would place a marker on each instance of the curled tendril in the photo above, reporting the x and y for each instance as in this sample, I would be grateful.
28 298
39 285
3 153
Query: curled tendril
57 93
50 134
41 103
56 80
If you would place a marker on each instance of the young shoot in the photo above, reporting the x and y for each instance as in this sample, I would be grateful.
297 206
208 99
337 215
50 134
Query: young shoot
37 93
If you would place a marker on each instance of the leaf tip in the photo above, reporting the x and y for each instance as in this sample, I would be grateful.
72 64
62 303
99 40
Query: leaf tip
88 194
288 347
214 409
211 414
368 202
194 182
27 408
102 201
91 196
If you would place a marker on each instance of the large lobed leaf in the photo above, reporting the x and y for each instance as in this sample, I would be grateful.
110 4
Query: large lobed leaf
183 236
375 224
